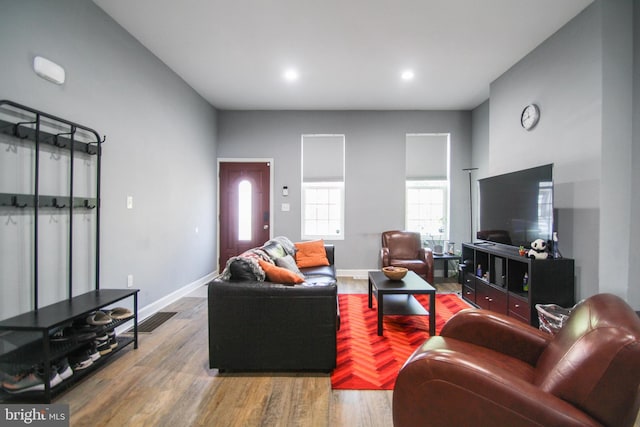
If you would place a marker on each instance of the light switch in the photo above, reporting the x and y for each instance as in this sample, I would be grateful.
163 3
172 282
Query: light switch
286 207
129 202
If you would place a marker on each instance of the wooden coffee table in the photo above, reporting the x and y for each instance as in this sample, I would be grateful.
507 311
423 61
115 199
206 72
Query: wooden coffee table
395 297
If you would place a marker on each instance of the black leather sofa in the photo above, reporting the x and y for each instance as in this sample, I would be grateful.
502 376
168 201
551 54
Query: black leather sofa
263 326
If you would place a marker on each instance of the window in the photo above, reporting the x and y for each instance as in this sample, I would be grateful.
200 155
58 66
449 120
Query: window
323 209
323 187
545 208
427 209
244 211
427 186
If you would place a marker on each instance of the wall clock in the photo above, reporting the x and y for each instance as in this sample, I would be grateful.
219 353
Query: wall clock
530 116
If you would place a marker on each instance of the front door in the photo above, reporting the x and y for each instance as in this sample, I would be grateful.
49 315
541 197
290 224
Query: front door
244 207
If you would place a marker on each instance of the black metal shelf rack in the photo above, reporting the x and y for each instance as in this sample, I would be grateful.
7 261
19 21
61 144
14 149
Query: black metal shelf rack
25 339
38 346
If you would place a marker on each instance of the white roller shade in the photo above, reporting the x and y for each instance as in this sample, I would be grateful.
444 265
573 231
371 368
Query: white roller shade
426 157
322 158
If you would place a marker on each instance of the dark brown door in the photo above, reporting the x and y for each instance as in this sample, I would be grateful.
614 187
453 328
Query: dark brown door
244 207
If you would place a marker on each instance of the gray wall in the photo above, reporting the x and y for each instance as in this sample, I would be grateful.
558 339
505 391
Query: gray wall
580 77
617 128
634 250
480 153
160 145
375 167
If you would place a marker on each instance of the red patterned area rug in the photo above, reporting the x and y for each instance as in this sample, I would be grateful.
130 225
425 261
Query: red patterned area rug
367 361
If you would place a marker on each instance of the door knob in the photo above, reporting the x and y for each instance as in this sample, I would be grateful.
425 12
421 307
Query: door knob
266 226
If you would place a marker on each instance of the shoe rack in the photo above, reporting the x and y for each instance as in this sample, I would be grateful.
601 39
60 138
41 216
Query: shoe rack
26 339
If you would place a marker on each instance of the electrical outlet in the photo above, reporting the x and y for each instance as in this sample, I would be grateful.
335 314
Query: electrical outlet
129 280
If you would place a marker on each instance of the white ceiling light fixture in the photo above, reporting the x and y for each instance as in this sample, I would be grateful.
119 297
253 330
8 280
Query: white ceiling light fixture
291 75
48 70
407 75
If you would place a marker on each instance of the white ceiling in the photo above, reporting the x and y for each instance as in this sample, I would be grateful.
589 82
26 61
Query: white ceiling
349 53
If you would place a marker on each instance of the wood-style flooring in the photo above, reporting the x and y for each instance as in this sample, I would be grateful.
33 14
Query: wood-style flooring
167 382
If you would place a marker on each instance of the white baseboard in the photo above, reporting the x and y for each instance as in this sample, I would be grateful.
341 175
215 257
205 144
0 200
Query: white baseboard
174 296
355 274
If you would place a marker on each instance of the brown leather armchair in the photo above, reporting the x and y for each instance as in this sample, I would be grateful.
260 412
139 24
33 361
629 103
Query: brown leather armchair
487 369
404 249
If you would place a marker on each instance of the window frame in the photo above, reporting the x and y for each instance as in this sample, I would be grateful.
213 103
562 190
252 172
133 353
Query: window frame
319 183
330 185
444 186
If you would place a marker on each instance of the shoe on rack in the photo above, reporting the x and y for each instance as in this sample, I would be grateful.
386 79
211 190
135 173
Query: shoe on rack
64 370
5 376
99 318
120 313
80 360
113 341
61 335
31 380
103 346
9 376
72 333
55 375
92 351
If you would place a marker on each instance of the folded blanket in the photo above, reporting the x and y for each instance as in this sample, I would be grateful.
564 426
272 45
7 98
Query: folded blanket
246 267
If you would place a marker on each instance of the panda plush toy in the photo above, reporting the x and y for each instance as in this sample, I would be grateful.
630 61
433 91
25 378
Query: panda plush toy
538 250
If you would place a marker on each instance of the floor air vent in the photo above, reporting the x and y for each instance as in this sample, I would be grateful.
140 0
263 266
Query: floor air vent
152 322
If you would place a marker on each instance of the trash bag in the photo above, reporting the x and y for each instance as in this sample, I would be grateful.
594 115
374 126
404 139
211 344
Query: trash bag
552 317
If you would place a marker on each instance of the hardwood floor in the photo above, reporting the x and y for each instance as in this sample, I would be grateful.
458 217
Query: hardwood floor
167 382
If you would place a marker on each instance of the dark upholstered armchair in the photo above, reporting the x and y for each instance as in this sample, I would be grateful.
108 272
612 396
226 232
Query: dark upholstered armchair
487 369
404 249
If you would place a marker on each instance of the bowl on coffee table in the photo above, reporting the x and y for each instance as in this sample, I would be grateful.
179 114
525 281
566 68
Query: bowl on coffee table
394 273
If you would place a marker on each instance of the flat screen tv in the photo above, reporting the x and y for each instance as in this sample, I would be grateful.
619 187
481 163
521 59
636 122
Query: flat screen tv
516 208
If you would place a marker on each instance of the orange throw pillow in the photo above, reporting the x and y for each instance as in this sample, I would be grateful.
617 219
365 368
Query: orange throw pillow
311 254
277 274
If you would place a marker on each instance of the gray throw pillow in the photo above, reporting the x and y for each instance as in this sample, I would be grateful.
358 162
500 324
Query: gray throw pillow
289 263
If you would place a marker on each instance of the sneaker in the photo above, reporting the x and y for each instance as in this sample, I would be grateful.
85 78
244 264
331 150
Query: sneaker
84 357
69 333
55 375
113 341
64 370
5 376
61 335
31 381
93 352
80 360
103 344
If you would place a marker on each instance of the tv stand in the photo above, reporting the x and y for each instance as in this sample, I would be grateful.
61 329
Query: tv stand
500 286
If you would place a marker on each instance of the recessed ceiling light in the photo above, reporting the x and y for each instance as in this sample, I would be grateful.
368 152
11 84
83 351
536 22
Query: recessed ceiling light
407 75
291 75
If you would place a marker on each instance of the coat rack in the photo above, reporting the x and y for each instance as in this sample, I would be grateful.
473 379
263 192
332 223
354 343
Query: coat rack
29 126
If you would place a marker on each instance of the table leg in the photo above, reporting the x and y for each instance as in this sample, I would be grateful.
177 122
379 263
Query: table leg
380 312
446 268
370 292
432 314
